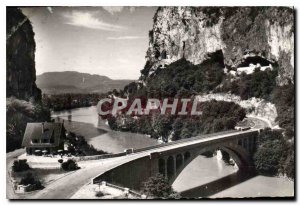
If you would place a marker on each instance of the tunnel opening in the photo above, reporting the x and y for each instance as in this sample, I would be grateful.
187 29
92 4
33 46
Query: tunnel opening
256 60
157 54
163 55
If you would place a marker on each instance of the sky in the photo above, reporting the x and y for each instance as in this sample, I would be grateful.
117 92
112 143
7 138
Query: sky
109 41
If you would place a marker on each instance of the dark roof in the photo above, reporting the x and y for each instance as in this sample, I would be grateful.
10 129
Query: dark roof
33 132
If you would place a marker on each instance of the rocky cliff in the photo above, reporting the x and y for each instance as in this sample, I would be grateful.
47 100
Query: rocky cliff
255 107
239 32
20 53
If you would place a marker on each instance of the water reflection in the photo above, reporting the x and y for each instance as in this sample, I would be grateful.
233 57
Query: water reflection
211 177
211 188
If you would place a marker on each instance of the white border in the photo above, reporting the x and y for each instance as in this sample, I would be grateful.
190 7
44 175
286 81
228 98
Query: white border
150 3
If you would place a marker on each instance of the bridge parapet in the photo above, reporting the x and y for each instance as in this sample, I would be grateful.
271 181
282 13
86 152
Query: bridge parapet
240 147
171 158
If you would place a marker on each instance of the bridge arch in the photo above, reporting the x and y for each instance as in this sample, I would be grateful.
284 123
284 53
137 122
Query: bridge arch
187 156
161 166
170 167
179 161
236 152
170 161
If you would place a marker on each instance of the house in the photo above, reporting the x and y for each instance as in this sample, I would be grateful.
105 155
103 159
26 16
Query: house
44 137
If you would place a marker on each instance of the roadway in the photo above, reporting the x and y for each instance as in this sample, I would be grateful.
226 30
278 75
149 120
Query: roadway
68 185
259 123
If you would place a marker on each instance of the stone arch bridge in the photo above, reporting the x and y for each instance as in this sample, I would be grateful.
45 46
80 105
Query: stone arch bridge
171 158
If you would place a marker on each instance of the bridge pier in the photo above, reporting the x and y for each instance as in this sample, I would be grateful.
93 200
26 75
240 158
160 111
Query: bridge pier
166 168
174 164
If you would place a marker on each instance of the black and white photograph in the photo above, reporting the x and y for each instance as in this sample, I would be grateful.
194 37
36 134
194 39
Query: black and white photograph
150 102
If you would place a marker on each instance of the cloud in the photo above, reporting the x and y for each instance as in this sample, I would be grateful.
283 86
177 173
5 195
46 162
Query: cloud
126 37
87 20
49 8
113 9
117 9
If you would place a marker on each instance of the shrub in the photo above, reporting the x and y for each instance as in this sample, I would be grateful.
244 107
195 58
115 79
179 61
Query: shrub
81 147
289 164
268 156
99 194
274 154
69 165
187 78
20 165
29 179
284 99
158 187
259 84
18 114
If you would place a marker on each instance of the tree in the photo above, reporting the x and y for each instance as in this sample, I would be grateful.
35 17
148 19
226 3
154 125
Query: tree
20 165
289 163
29 179
69 165
158 187
186 133
162 126
267 157
271 152
274 154
177 126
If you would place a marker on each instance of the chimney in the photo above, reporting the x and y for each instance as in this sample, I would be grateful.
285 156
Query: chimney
43 129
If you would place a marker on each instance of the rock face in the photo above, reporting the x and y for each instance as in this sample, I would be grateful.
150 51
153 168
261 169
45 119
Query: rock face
255 107
20 53
239 32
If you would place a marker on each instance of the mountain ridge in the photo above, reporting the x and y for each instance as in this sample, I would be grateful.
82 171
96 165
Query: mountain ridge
77 82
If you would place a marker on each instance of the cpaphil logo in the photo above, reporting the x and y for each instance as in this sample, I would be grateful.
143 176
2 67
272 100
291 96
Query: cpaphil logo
139 106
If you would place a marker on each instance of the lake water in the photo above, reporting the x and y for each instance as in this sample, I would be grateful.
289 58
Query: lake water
85 121
203 177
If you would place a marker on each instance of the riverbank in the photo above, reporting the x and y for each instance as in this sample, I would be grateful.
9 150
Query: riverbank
84 129
85 122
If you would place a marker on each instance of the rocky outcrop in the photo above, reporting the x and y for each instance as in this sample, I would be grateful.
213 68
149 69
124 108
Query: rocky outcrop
239 32
255 107
20 54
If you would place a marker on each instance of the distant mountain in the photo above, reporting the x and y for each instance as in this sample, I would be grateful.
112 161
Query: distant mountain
75 82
